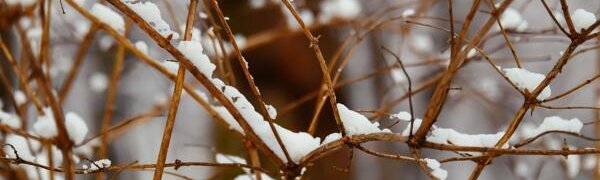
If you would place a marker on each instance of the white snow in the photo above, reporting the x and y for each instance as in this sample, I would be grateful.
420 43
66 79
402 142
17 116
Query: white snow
408 12
436 171
257 4
402 115
23 3
398 76
108 16
193 51
45 125
223 158
421 42
151 14
196 33
272 111
589 162
142 46
582 19
203 15
229 119
76 127
81 29
522 169
241 42
555 123
451 136
560 18
21 145
249 176
10 120
106 42
526 80
355 123
306 15
415 127
573 163
340 9
261 127
98 82
331 137
97 165
171 66
20 97
512 19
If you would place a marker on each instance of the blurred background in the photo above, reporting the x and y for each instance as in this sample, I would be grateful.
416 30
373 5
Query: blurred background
288 75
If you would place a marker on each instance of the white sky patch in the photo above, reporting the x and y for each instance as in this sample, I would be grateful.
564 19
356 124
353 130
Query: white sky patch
436 171
20 97
151 14
555 123
355 123
524 79
98 82
108 16
582 19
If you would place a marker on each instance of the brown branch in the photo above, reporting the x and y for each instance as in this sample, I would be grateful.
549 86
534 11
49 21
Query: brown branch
262 106
314 44
175 98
